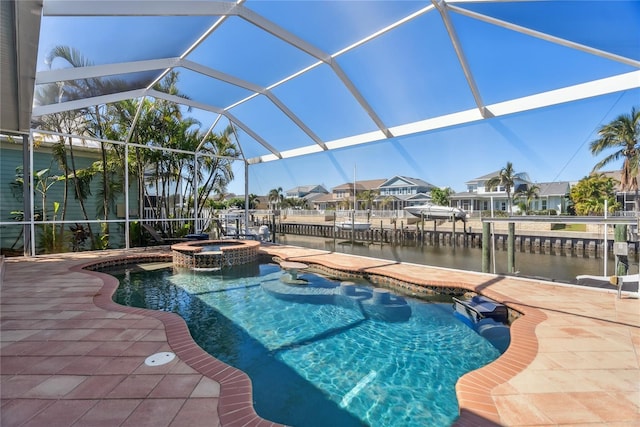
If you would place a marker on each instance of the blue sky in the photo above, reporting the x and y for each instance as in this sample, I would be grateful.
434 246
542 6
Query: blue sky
550 144
406 75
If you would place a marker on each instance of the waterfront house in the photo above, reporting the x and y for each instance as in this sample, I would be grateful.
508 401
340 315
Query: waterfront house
303 191
552 196
400 191
625 197
322 202
341 197
479 197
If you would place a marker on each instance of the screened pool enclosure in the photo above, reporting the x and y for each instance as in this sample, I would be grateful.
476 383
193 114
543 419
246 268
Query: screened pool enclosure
119 112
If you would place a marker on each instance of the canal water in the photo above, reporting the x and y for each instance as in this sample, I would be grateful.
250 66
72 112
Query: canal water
558 268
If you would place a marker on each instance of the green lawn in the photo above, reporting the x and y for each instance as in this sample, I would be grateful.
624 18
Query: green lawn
569 227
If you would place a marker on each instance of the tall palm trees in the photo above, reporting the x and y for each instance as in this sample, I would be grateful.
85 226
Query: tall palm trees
217 162
367 196
622 135
528 194
153 123
276 197
94 123
506 178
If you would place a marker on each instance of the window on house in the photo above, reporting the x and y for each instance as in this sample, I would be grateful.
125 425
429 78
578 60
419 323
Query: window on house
544 205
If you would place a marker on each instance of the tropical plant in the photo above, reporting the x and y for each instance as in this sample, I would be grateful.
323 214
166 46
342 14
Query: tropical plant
275 197
236 202
506 178
94 122
253 201
386 202
70 123
148 122
216 156
344 204
173 176
621 135
43 180
527 195
215 204
295 202
589 194
368 196
440 196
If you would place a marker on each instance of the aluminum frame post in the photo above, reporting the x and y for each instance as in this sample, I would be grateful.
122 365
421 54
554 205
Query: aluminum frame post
27 195
126 197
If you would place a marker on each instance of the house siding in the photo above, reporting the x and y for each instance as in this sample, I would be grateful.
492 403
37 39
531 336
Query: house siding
11 158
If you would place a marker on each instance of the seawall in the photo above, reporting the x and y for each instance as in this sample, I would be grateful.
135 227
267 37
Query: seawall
532 238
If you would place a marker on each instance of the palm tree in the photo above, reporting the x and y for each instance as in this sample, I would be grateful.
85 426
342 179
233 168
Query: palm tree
621 135
386 202
368 196
161 123
506 178
253 201
528 194
70 122
276 197
220 151
96 121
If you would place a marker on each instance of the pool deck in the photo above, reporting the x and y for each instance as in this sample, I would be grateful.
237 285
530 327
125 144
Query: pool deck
70 356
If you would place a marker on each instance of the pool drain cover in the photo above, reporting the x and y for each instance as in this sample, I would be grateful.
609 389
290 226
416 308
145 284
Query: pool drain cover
159 358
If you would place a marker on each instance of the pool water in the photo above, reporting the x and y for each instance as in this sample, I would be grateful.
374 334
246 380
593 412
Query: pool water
315 364
215 247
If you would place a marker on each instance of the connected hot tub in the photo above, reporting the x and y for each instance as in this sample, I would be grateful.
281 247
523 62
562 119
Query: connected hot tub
214 254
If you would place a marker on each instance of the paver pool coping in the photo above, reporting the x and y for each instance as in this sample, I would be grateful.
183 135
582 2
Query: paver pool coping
486 396
474 388
235 405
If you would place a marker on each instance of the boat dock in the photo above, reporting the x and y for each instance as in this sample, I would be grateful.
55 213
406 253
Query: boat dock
529 240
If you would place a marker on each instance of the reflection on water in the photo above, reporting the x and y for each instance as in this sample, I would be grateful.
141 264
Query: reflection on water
560 268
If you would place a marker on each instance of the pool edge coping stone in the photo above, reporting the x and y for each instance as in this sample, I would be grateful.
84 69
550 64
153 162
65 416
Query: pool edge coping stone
478 383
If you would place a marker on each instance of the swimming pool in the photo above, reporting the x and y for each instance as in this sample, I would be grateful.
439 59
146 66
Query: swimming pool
320 363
